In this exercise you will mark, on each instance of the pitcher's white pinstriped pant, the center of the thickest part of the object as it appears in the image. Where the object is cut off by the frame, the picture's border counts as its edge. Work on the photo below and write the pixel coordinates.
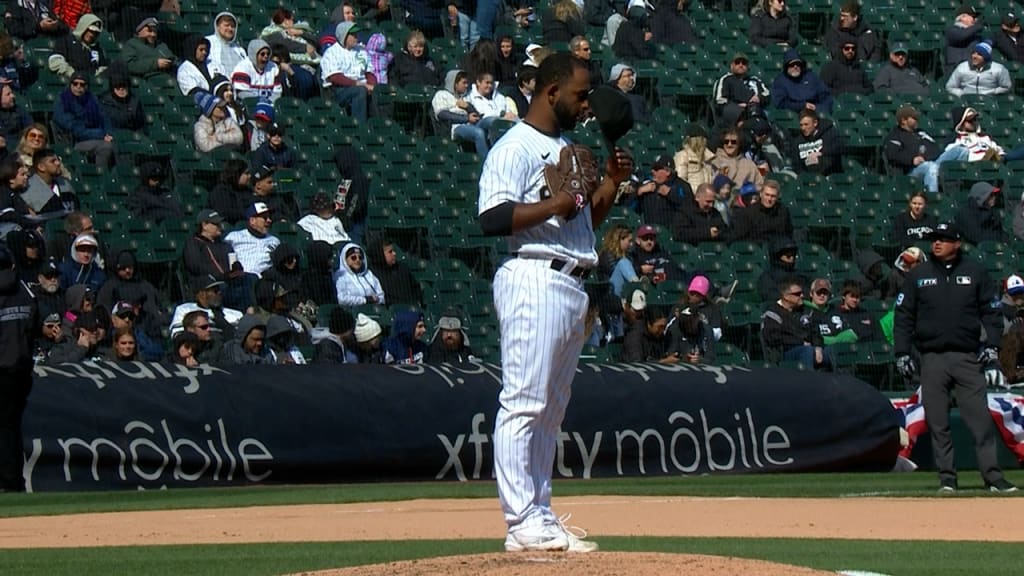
(541, 312)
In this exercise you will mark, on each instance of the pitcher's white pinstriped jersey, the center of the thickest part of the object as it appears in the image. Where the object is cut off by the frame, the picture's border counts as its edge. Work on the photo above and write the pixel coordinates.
(516, 163)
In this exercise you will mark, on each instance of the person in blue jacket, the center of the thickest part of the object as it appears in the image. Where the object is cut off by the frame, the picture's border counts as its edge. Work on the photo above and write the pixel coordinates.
(79, 114)
(405, 344)
(798, 87)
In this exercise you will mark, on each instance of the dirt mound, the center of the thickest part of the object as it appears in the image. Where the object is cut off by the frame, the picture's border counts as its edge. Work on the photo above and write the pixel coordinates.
(560, 564)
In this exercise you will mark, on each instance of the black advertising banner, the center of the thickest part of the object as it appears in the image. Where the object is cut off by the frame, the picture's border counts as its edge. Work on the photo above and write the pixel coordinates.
(99, 425)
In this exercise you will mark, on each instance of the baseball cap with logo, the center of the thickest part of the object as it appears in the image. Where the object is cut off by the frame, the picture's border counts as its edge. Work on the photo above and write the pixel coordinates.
(1010, 20)
(945, 231)
(646, 230)
(123, 310)
(256, 209)
(1015, 285)
(211, 216)
(49, 269)
(205, 282)
(664, 162)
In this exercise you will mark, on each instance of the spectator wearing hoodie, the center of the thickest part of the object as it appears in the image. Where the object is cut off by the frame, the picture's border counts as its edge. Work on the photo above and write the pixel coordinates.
(225, 49)
(229, 196)
(1007, 40)
(355, 284)
(79, 51)
(196, 71)
(451, 108)
(120, 105)
(152, 200)
(971, 144)
(405, 345)
(979, 219)
(348, 72)
(145, 55)
(772, 24)
(255, 79)
(849, 28)
(449, 343)
(844, 74)
(285, 270)
(78, 113)
(623, 78)
(798, 87)
(214, 128)
(125, 284)
(336, 343)
(248, 345)
(693, 160)
(764, 220)
(396, 279)
(961, 36)
(379, 56)
(368, 336)
(783, 254)
(280, 338)
(979, 75)
(413, 66)
(80, 267)
(818, 148)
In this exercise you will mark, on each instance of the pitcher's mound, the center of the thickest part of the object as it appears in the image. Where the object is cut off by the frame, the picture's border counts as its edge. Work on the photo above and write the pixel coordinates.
(561, 564)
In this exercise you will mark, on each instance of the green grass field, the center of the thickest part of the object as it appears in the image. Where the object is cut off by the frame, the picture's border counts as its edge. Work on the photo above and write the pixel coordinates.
(894, 558)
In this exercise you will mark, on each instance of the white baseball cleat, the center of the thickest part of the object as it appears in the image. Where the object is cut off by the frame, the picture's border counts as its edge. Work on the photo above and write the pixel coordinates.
(576, 536)
(545, 538)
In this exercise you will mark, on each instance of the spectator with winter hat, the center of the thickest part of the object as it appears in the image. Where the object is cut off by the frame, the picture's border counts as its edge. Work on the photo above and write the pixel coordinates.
(979, 75)
(214, 128)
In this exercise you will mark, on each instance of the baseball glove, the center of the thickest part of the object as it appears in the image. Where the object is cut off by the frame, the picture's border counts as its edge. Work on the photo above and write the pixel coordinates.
(575, 174)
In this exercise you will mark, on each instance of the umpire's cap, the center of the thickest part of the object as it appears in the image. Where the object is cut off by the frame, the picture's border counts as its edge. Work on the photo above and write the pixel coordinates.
(945, 231)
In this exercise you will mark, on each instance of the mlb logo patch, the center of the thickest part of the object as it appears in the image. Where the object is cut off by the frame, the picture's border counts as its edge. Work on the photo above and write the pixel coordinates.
(963, 280)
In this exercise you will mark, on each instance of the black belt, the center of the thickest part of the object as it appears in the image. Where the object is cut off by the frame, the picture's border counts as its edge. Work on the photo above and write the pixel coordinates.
(557, 265)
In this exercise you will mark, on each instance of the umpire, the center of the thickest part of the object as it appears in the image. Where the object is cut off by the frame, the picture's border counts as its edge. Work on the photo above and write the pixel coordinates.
(17, 324)
(944, 304)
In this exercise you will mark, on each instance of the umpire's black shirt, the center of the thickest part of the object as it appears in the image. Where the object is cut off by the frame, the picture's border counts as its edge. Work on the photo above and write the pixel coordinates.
(943, 307)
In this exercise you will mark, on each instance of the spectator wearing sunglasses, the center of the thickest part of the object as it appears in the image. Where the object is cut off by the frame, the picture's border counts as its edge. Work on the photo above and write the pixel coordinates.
(354, 283)
(787, 334)
(844, 73)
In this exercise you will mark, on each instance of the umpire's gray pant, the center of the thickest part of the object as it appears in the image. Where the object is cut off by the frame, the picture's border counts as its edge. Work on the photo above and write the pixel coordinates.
(941, 373)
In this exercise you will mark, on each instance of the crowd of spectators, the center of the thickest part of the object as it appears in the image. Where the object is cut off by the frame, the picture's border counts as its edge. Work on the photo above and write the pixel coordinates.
(251, 297)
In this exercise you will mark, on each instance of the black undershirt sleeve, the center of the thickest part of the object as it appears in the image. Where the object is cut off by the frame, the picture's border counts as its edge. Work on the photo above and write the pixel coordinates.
(497, 221)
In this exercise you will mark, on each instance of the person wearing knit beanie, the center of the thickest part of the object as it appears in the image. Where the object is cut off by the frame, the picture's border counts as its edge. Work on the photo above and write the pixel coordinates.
(366, 329)
(214, 128)
(979, 75)
(368, 340)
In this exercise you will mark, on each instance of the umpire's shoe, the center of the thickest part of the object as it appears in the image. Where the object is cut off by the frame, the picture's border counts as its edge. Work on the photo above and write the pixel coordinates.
(1002, 486)
(947, 485)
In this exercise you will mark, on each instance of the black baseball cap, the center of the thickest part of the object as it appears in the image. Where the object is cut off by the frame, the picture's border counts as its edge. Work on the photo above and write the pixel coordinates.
(945, 231)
